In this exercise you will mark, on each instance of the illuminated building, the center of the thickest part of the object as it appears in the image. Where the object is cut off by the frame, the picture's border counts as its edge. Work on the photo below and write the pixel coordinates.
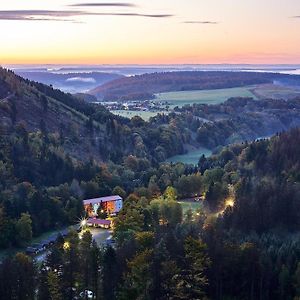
(110, 205)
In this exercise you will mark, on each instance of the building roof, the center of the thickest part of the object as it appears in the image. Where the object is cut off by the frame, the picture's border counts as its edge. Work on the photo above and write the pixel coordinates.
(98, 222)
(102, 199)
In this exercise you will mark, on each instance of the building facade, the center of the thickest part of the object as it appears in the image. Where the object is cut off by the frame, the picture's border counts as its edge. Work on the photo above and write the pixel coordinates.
(110, 205)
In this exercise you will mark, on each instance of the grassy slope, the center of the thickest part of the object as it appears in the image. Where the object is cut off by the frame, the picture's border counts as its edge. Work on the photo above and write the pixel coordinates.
(216, 96)
(192, 157)
(190, 97)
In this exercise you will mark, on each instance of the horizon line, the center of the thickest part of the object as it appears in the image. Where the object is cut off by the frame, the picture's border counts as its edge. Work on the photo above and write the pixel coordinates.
(148, 64)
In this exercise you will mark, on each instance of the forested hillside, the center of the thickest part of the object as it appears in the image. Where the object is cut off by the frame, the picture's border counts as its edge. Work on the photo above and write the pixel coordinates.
(240, 119)
(245, 229)
(246, 232)
(269, 190)
(143, 87)
(84, 130)
(90, 131)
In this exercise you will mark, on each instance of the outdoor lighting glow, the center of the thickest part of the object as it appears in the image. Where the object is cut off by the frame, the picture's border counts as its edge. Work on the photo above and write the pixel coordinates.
(66, 246)
(229, 203)
(82, 222)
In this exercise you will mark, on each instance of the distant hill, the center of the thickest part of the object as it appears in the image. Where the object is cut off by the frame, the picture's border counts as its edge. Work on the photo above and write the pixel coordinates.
(71, 82)
(81, 129)
(142, 87)
(40, 107)
(86, 97)
(85, 130)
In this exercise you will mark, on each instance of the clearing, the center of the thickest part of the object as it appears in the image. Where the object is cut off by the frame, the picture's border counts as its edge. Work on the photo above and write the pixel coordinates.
(191, 157)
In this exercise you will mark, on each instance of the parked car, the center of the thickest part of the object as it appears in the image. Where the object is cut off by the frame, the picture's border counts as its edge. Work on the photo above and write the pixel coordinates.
(86, 294)
(31, 251)
(110, 241)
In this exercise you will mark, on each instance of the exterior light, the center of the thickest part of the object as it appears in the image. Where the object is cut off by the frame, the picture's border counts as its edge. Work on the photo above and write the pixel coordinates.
(229, 202)
(66, 246)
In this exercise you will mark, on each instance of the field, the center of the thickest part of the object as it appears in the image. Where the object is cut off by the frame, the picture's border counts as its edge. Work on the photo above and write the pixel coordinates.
(190, 205)
(189, 97)
(276, 91)
(192, 157)
(204, 96)
(145, 115)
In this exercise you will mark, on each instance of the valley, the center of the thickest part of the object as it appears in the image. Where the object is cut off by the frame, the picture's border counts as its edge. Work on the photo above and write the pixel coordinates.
(58, 149)
(150, 150)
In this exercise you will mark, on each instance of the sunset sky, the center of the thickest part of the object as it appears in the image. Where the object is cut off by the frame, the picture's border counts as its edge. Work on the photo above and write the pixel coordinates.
(149, 32)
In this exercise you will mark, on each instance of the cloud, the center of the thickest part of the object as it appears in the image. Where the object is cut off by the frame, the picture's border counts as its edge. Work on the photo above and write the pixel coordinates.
(37, 15)
(296, 17)
(115, 4)
(136, 15)
(81, 79)
(54, 15)
(201, 22)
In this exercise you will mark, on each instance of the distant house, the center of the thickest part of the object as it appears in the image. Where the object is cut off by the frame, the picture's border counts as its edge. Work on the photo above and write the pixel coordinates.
(110, 205)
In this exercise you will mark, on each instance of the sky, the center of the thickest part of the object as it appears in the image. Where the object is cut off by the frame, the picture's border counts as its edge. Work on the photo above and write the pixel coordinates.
(149, 32)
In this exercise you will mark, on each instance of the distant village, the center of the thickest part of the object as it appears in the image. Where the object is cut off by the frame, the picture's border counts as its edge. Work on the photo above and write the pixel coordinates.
(136, 105)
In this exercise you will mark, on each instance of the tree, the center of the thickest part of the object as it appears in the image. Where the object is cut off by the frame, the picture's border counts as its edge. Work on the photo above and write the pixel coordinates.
(167, 211)
(44, 102)
(95, 269)
(202, 164)
(70, 264)
(215, 194)
(54, 286)
(284, 282)
(170, 193)
(297, 280)
(138, 280)
(102, 214)
(24, 277)
(24, 229)
(145, 240)
(153, 187)
(109, 273)
(7, 230)
(129, 220)
(85, 257)
(191, 281)
(119, 191)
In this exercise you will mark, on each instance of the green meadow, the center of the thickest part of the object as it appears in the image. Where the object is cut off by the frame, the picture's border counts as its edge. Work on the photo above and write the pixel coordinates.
(192, 157)
(204, 96)
(186, 205)
(189, 97)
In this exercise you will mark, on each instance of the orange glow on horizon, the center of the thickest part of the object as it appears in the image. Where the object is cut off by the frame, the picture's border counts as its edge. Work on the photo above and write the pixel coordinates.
(197, 32)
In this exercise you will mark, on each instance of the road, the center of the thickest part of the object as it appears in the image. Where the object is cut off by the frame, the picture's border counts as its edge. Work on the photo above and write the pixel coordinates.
(99, 235)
